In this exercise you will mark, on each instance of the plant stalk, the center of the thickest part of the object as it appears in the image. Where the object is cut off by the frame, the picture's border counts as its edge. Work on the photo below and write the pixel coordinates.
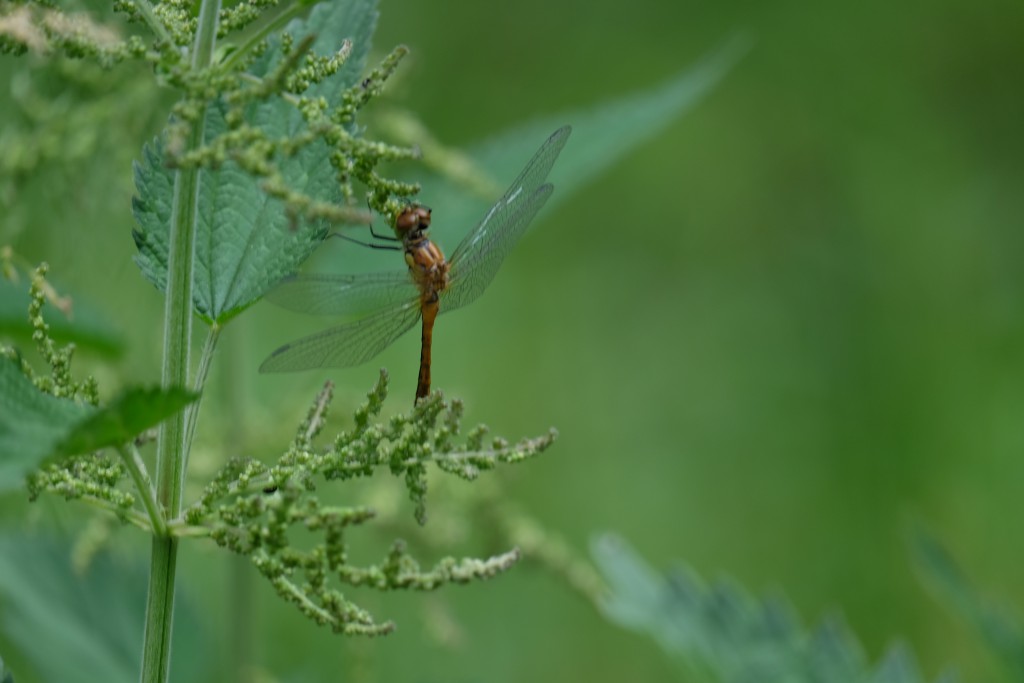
(172, 442)
(137, 470)
(275, 24)
(192, 412)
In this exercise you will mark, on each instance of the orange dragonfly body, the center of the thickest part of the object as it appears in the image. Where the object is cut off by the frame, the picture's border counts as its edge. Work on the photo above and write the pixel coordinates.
(430, 285)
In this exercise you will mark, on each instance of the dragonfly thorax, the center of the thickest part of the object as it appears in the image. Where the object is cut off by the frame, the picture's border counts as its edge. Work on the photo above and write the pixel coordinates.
(428, 267)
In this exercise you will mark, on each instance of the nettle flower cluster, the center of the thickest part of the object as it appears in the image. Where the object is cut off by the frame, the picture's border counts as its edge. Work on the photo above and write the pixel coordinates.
(252, 65)
(251, 507)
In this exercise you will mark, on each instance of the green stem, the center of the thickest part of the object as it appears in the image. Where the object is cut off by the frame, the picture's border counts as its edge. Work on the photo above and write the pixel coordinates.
(137, 470)
(155, 25)
(204, 369)
(171, 453)
(156, 646)
(131, 516)
(272, 26)
(181, 529)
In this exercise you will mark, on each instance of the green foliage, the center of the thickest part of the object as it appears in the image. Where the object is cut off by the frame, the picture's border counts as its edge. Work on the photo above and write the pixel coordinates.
(131, 413)
(276, 171)
(602, 135)
(5, 675)
(57, 417)
(729, 636)
(69, 129)
(82, 324)
(82, 623)
(38, 412)
(251, 508)
(999, 627)
(32, 423)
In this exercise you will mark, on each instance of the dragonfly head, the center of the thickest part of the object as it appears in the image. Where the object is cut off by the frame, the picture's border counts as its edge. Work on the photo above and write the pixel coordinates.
(412, 221)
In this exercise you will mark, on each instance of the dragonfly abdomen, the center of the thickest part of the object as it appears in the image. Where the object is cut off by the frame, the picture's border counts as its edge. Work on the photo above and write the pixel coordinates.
(429, 311)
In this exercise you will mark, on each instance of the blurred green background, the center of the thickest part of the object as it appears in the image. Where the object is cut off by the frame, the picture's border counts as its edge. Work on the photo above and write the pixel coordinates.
(770, 338)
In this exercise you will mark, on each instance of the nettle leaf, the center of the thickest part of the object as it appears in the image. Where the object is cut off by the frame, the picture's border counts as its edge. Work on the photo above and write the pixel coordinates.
(999, 626)
(32, 423)
(245, 242)
(35, 426)
(726, 634)
(84, 624)
(131, 413)
(5, 675)
(602, 135)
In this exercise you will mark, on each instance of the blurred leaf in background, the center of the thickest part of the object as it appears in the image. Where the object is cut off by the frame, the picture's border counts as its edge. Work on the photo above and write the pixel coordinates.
(69, 126)
(603, 133)
(723, 634)
(5, 675)
(35, 425)
(997, 623)
(84, 324)
(32, 423)
(84, 624)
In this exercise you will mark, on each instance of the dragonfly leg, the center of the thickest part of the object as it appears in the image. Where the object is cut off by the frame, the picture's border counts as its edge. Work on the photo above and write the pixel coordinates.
(371, 245)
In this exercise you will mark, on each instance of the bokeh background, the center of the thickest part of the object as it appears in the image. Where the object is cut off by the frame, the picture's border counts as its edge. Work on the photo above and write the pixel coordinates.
(772, 337)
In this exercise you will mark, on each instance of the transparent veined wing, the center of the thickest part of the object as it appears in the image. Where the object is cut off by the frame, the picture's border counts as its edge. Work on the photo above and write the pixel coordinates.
(346, 345)
(336, 294)
(524, 186)
(477, 258)
(471, 275)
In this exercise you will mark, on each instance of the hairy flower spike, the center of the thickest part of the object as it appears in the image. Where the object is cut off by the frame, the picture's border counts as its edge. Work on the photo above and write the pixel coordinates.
(317, 69)
(94, 478)
(358, 95)
(314, 421)
(372, 407)
(176, 17)
(59, 383)
(46, 30)
(241, 15)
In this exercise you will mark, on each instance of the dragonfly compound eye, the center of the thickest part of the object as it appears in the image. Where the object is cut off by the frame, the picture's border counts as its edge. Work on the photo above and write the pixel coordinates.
(413, 218)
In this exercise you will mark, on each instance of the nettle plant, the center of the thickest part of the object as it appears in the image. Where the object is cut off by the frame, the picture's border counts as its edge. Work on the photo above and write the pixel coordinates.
(262, 158)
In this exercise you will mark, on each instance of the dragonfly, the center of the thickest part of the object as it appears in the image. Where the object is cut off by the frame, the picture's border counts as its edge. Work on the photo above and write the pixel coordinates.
(391, 303)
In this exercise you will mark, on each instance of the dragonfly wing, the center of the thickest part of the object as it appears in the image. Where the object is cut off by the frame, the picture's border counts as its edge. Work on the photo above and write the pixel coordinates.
(350, 344)
(524, 187)
(336, 294)
(471, 275)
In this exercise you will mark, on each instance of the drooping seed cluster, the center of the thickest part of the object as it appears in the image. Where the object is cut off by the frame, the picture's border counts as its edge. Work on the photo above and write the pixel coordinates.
(256, 509)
